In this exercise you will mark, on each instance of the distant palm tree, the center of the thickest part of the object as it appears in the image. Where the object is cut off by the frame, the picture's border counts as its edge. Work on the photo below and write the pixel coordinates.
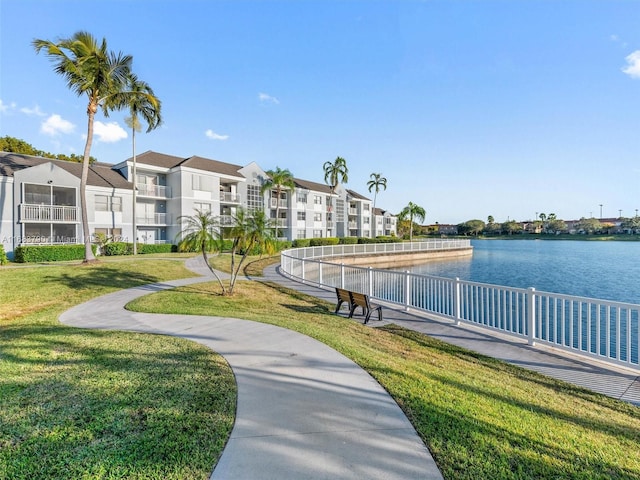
(411, 212)
(200, 233)
(335, 172)
(377, 181)
(103, 76)
(278, 180)
(142, 102)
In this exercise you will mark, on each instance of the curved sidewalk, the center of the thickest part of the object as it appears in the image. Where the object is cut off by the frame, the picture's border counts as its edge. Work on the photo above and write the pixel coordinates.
(619, 383)
(304, 410)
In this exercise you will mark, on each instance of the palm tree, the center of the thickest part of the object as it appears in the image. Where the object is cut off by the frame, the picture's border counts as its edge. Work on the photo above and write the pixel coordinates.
(103, 76)
(377, 181)
(249, 231)
(335, 172)
(412, 211)
(142, 102)
(200, 233)
(278, 180)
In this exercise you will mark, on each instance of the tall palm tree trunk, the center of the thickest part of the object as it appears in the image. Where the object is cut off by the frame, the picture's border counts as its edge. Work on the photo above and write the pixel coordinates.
(88, 253)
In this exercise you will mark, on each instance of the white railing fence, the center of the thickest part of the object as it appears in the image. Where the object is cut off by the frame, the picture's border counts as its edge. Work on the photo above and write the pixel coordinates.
(601, 329)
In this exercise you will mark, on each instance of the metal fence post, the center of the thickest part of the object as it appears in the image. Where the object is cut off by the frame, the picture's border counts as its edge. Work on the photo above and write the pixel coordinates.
(407, 290)
(302, 270)
(531, 315)
(320, 264)
(456, 301)
(342, 275)
(370, 281)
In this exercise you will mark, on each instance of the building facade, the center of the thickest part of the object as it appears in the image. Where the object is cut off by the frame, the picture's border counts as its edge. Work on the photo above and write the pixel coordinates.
(40, 200)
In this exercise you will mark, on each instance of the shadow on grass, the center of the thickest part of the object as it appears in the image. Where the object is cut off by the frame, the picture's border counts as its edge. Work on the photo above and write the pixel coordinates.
(104, 276)
(82, 403)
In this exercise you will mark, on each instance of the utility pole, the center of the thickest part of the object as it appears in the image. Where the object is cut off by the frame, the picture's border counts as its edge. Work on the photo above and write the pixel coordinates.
(600, 211)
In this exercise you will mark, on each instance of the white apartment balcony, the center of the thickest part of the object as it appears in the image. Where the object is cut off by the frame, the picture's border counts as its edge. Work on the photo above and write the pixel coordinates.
(280, 222)
(275, 204)
(49, 213)
(156, 191)
(226, 220)
(228, 197)
(353, 211)
(353, 224)
(153, 219)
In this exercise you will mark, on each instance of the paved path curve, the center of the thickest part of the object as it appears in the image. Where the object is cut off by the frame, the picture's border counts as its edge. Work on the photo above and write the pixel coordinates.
(304, 410)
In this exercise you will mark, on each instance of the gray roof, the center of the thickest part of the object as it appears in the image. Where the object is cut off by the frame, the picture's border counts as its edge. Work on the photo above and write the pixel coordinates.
(356, 195)
(318, 187)
(200, 163)
(100, 174)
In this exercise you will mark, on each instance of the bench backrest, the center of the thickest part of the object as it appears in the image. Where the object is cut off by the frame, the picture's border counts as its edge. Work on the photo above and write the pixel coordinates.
(343, 294)
(360, 299)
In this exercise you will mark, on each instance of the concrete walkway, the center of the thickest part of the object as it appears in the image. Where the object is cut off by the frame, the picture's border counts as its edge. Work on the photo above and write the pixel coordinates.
(304, 410)
(615, 382)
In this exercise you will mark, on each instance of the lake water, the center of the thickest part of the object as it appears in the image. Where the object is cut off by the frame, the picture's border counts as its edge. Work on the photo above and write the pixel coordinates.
(598, 269)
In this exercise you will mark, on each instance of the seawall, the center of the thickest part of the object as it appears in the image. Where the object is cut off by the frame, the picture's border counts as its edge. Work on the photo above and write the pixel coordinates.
(400, 259)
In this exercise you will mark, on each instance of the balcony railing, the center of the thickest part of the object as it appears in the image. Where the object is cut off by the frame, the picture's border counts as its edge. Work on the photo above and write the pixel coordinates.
(48, 213)
(146, 190)
(228, 197)
(153, 219)
(275, 204)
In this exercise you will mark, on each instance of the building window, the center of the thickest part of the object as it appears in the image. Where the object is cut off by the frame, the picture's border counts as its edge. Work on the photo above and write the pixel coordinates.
(366, 207)
(302, 198)
(302, 215)
(366, 220)
(202, 183)
(317, 234)
(301, 234)
(202, 207)
(105, 203)
(49, 195)
(255, 200)
(317, 200)
(317, 217)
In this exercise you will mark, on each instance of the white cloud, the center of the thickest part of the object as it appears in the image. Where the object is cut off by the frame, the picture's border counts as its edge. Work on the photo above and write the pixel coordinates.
(215, 136)
(109, 132)
(633, 64)
(4, 107)
(266, 98)
(55, 125)
(33, 111)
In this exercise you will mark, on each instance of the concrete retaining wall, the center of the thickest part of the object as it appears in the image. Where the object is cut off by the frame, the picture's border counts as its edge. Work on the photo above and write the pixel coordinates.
(400, 259)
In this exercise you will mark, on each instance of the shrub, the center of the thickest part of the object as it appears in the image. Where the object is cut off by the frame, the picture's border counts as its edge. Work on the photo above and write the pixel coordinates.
(3, 256)
(319, 242)
(118, 248)
(50, 253)
(123, 248)
(379, 240)
(301, 242)
(348, 240)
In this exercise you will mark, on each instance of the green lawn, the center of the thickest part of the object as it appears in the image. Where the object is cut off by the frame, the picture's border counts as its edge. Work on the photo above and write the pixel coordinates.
(88, 404)
(481, 418)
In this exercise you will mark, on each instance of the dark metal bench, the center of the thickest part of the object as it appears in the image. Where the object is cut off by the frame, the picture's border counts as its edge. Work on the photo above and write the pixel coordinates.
(362, 300)
(355, 300)
(343, 297)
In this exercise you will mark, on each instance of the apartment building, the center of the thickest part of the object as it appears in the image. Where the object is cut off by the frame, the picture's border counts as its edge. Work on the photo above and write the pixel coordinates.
(40, 202)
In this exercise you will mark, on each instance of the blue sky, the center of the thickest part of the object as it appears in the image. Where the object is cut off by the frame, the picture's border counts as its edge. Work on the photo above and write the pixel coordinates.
(468, 108)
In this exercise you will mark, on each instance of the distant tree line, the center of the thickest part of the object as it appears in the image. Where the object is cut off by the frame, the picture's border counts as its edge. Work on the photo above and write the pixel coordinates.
(16, 145)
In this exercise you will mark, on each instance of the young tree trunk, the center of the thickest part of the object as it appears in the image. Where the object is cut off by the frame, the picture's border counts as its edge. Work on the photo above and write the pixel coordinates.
(88, 253)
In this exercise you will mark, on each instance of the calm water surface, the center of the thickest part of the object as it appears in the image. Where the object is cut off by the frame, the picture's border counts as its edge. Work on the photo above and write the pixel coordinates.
(605, 270)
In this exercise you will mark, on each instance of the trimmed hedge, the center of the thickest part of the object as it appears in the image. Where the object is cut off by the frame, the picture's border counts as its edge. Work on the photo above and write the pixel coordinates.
(379, 240)
(301, 242)
(319, 242)
(50, 253)
(348, 240)
(3, 256)
(123, 248)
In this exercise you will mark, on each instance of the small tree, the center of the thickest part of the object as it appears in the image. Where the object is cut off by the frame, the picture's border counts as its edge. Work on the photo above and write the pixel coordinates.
(335, 172)
(249, 232)
(200, 233)
(410, 212)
